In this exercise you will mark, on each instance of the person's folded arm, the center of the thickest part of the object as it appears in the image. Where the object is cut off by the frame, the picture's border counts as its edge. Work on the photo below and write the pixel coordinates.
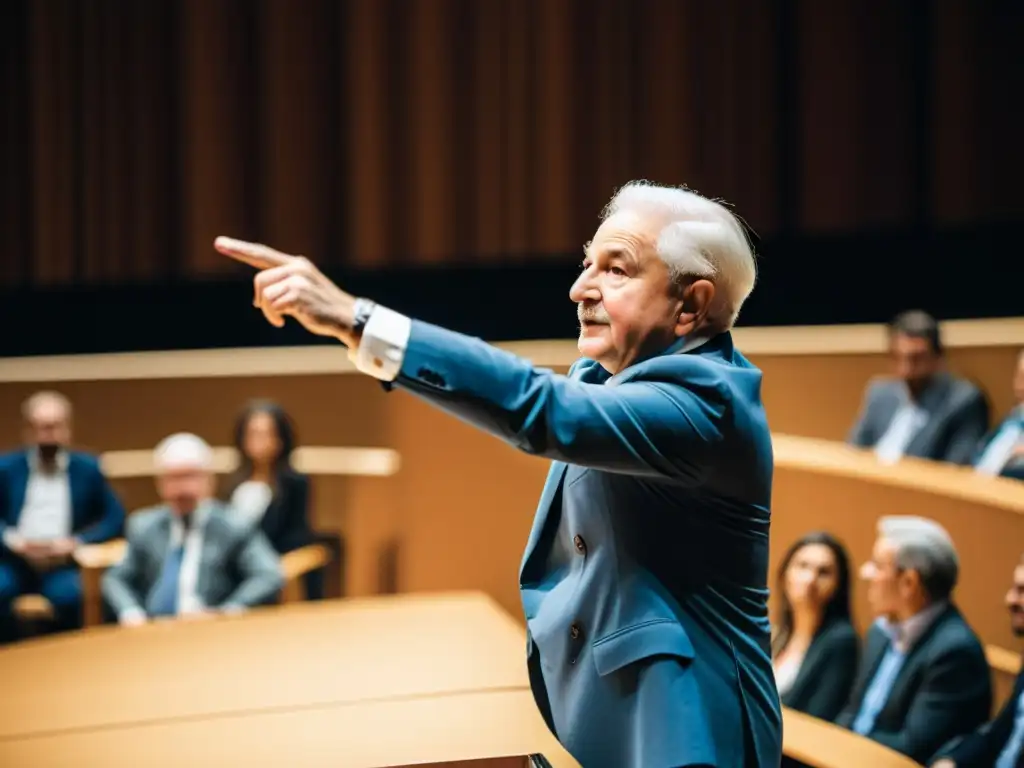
(661, 426)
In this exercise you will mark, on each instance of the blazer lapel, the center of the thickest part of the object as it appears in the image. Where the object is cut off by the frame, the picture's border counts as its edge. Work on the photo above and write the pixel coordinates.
(19, 486)
(555, 476)
(77, 489)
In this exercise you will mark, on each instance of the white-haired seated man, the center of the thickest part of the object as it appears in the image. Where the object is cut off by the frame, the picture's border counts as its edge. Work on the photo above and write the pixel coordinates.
(923, 678)
(188, 556)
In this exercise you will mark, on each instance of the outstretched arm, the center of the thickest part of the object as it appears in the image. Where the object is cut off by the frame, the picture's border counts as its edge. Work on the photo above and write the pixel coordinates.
(663, 426)
(653, 427)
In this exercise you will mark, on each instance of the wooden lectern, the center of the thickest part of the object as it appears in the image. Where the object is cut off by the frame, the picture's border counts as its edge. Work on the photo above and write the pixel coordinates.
(432, 680)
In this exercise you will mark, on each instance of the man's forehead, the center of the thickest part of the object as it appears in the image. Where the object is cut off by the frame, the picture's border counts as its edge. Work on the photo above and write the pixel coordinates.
(623, 225)
(1018, 575)
(884, 549)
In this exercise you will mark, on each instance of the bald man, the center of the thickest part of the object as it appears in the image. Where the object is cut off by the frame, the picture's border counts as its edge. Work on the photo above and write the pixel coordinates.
(189, 556)
(52, 500)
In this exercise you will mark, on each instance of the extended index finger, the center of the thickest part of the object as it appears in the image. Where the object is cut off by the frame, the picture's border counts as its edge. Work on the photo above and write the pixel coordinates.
(253, 254)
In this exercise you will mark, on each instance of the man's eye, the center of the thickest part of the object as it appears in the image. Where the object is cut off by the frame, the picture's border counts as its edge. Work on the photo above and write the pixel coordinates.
(617, 271)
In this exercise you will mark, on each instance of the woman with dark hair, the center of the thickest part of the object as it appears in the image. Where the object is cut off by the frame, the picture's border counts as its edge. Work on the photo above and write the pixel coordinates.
(814, 643)
(265, 489)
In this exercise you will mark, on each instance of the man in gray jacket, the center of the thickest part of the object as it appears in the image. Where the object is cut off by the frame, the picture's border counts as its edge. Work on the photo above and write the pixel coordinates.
(924, 411)
(189, 556)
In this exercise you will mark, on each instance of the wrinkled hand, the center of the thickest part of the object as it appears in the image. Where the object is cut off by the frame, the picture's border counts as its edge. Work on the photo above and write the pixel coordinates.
(944, 763)
(292, 285)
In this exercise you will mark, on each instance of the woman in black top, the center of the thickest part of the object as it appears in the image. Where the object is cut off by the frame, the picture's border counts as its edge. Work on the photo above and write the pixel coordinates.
(266, 490)
(814, 644)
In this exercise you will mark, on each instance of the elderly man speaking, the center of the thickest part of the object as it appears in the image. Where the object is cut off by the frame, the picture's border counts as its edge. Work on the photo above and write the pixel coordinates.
(644, 581)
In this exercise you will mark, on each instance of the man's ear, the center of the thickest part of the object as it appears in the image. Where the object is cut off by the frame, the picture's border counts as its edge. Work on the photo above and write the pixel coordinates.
(695, 305)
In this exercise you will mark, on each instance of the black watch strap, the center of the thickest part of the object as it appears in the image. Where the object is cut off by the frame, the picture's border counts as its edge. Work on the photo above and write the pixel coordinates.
(363, 309)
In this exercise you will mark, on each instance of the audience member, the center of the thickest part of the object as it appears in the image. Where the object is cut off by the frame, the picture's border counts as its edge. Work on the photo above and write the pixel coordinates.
(923, 677)
(189, 556)
(266, 492)
(925, 411)
(52, 499)
(1002, 450)
(815, 645)
(999, 744)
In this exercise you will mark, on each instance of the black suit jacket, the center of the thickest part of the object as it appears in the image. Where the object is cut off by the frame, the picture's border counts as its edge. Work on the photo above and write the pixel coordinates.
(825, 680)
(286, 521)
(942, 691)
(981, 748)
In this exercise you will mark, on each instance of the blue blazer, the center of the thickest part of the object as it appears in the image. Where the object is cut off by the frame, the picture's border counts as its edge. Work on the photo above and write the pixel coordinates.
(96, 512)
(644, 581)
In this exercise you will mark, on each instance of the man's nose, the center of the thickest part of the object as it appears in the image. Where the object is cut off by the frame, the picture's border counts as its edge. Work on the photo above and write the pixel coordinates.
(584, 289)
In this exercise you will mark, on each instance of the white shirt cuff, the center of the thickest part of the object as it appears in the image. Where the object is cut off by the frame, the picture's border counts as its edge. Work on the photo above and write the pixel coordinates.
(382, 347)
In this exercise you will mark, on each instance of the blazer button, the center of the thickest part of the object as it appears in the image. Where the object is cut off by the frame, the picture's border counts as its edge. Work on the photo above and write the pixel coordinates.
(580, 544)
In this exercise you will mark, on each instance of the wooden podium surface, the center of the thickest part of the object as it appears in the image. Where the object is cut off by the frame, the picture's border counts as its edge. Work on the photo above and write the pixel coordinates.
(364, 683)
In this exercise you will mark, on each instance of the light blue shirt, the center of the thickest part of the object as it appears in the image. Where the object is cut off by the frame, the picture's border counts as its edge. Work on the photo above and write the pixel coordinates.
(908, 420)
(1008, 757)
(999, 450)
(902, 637)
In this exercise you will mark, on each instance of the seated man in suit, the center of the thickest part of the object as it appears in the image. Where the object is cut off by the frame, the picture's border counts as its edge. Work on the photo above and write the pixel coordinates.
(923, 678)
(924, 411)
(189, 556)
(999, 744)
(52, 499)
(1002, 450)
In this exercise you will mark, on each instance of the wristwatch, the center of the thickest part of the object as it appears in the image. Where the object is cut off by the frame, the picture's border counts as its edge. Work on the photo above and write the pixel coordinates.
(363, 309)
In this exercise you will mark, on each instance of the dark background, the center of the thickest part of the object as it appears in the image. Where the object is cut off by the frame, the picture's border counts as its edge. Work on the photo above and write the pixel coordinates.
(450, 157)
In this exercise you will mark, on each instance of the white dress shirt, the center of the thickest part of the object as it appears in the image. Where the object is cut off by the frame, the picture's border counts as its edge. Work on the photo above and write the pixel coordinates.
(250, 501)
(46, 512)
(908, 420)
(787, 672)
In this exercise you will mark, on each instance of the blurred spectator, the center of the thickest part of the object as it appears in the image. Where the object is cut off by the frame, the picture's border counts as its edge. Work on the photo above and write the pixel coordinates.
(923, 678)
(924, 411)
(815, 646)
(1000, 743)
(265, 491)
(1002, 450)
(189, 556)
(52, 499)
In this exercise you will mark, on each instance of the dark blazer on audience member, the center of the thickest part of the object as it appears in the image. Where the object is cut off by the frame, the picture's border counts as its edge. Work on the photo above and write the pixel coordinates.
(981, 748)
(96, 511)
(957, 410)
(825, 680)
(286, 521)
(942, 691)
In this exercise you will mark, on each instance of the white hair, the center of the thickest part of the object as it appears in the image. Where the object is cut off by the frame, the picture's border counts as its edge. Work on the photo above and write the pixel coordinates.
(924, 546)
(183, 450)
(700, 238)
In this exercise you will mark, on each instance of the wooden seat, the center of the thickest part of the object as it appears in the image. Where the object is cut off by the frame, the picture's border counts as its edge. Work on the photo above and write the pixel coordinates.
(33, 608)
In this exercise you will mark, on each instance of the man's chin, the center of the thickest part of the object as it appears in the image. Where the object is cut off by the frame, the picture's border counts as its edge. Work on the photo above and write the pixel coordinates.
(593, 348)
